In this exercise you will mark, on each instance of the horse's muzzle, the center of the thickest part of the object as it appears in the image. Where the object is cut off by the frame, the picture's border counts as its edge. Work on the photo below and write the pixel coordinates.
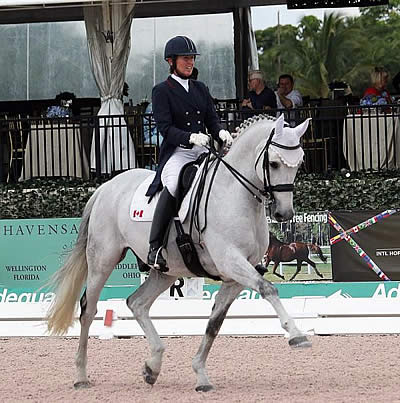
(281, 215)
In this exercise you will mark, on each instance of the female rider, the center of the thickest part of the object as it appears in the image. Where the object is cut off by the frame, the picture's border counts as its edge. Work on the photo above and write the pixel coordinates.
(183, 109)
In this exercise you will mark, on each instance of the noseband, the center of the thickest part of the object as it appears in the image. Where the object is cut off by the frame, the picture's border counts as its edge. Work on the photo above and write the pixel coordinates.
(268, 188)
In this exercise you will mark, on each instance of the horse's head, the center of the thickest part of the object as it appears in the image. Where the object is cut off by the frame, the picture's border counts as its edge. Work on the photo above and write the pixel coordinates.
(277, 160)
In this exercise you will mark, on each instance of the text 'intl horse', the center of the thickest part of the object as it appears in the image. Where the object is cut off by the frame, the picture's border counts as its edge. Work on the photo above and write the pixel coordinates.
(260, 166)
(279, 251)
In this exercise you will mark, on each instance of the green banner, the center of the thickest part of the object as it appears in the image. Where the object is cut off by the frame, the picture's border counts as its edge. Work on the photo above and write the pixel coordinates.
(32, 250)
(387, 289)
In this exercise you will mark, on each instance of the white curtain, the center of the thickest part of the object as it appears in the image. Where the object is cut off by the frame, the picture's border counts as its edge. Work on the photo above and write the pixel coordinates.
(108, 34)
(253, 54)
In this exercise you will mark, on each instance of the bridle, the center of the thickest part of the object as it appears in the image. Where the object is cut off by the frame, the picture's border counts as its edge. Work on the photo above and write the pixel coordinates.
(268, 188)
(266, 192)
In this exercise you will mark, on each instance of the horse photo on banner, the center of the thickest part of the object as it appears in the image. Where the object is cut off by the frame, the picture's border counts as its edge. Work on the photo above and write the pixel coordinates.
(365, 245)
(299, 249)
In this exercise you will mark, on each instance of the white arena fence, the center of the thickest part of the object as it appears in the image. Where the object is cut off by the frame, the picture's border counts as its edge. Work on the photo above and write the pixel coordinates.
(189, 316)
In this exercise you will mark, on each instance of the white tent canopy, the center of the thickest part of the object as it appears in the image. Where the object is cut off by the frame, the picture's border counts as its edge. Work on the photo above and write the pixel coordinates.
(108, 57)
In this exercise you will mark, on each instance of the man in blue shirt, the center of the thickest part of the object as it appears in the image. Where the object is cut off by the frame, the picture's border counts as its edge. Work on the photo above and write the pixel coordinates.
(260, 96)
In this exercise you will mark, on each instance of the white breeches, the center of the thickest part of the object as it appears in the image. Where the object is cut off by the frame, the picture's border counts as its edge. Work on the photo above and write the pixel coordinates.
(181, 156)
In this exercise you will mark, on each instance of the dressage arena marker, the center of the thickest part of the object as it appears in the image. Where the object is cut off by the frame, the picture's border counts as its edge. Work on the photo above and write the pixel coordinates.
(365, 224)
(108, 317)
(371, 264)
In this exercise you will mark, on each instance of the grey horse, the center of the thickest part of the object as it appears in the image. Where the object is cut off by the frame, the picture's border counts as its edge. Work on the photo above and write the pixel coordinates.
(267, 154)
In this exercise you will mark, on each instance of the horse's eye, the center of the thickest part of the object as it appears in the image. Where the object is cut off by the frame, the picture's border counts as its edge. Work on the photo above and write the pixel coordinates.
(274, 165)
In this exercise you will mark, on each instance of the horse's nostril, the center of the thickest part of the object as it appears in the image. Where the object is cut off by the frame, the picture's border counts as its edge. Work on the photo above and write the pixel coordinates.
(278, 216)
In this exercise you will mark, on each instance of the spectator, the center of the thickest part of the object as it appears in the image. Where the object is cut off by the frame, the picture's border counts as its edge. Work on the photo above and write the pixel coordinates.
(125, 92)
(288, 98)
(377, 94)
(260, 96)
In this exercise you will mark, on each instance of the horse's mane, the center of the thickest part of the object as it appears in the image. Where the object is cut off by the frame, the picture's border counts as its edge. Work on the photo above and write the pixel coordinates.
(250, 122)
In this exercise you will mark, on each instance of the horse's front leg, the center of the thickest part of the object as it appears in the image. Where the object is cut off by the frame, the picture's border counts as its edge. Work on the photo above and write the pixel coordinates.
(226, 295)
(139, 303)
(236, 266)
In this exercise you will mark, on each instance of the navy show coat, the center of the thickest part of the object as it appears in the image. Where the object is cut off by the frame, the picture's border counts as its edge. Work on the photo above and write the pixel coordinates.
(178, 114)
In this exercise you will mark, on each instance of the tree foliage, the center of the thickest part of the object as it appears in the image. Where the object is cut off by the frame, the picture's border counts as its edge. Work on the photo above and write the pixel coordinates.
(341, 48)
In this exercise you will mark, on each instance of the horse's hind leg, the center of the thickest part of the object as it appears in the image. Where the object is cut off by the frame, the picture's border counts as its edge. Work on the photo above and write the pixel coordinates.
(139, 303)
(276, 264)
(226, 295)
(100, 265)
(314, 266)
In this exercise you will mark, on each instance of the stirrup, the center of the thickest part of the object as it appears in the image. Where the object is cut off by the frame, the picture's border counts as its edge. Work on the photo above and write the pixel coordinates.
(157, 260)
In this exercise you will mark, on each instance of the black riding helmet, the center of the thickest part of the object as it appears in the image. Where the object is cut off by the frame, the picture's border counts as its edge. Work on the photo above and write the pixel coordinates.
(180, 46)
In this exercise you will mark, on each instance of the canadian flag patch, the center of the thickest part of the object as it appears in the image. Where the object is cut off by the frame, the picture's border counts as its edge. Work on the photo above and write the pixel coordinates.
(137, 213)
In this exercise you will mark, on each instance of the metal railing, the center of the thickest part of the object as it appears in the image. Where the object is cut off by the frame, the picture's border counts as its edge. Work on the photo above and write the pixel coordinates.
(350, 137)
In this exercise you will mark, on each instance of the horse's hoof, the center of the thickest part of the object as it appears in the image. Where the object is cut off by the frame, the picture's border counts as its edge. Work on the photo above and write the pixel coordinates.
(300, 342)
(261, 269)
(148, 375)
(82, 385)
(204, 388)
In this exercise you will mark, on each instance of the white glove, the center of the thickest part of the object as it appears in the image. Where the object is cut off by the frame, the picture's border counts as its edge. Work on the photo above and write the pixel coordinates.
(199, 139)
(225, 136)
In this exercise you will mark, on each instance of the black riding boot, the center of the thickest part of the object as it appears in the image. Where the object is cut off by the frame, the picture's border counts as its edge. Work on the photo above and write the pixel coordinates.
(163, 214)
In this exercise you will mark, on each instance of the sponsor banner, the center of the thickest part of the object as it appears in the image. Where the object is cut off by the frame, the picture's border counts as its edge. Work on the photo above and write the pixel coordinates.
(365, 245)
(389, 289)
(33, 250)
(185, 288)
(306, 235)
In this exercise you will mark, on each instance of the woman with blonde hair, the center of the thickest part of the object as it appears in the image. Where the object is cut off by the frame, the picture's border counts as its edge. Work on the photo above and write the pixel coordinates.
(379, 80)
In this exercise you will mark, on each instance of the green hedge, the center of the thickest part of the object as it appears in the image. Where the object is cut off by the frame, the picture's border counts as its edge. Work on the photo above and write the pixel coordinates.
(347, 191)
(359, 191)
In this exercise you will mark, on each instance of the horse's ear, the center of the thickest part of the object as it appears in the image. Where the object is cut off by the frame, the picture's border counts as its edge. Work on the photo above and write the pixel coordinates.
(279, 123)
(302, 128)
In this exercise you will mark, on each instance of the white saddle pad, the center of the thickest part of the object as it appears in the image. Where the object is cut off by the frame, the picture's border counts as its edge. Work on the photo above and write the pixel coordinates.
(142, 210)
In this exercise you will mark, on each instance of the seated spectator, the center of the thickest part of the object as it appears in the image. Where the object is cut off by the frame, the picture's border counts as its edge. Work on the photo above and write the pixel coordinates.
(377, 94)
(149, 127)
(62, 107)
(288, 98)
(260, 96)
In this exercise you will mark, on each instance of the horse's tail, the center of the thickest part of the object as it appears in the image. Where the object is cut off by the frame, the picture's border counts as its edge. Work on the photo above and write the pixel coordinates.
(69, 279)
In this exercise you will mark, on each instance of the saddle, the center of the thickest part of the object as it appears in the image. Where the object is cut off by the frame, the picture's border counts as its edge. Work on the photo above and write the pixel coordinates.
(186, 178)
(142, 210)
